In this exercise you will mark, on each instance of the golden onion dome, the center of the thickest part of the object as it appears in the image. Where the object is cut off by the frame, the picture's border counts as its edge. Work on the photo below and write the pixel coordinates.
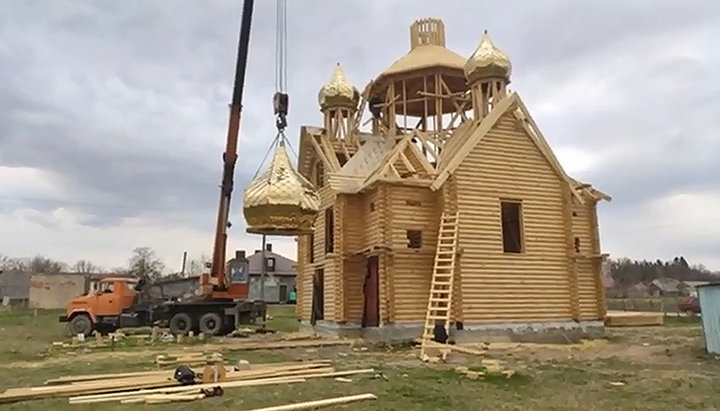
(338, 91)
(487, 61)
(280, 201)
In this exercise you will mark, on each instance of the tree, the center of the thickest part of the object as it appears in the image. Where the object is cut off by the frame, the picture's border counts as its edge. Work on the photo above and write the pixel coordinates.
(85, 267)
(196, 266)
(44, 265)
(146, 264)
(11, 263)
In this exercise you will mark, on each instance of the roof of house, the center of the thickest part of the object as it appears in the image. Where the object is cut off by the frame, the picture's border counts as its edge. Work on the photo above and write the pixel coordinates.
(666, 284)
(695, 284)
(283, 265)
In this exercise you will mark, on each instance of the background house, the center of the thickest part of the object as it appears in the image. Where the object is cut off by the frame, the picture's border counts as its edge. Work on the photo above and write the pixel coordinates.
(280, 277)
(53, 291)
(664, 287)
(14, 288)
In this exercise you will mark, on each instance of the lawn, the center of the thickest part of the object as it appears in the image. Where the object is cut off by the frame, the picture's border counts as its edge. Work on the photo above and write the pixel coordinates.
(634, 368)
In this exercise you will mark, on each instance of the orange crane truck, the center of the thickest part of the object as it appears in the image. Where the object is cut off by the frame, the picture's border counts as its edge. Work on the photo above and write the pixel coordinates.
(222, 302)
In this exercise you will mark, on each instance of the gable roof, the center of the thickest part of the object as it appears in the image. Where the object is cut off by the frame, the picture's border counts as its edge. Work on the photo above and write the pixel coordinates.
(666, 284)
(283, 265)
(456, 154)
(368, 156)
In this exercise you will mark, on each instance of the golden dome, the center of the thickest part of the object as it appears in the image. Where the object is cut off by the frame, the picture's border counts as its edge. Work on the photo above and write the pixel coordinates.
(487, 61)
(280, 201)
(338, 91)
(427, 50)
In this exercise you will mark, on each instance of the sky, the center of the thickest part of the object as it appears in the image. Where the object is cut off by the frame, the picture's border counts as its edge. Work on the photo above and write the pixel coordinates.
(113, 114)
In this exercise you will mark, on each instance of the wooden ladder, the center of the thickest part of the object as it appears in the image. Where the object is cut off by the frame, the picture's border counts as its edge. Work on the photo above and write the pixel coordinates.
(440, 298)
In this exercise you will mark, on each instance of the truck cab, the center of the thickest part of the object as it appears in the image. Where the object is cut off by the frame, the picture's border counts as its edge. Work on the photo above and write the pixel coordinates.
(101, 306)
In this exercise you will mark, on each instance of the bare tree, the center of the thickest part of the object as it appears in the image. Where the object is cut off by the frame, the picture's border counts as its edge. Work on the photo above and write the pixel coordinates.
(196, 266)
(40, 264)
(146, 264)
(11, 263)
(85, 267)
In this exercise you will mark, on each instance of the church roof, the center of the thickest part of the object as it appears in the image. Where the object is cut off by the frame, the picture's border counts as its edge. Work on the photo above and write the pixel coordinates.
(425, 56)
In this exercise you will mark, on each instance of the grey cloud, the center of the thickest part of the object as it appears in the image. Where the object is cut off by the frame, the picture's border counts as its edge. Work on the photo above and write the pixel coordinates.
(128, 100)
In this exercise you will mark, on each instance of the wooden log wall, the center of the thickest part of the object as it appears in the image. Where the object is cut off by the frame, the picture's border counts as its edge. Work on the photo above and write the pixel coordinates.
(372, 210)
(449, 204)
(413, 208)
(589, 261)
(301, 284)
(354, 223)
(354, 279)
(327, 262)
(498, 286)
(597, 261)
(387, 309)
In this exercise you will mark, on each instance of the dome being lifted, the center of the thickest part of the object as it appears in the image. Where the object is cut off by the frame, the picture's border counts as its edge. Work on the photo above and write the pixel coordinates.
(280, 201)
(338, 91)
(487, 61)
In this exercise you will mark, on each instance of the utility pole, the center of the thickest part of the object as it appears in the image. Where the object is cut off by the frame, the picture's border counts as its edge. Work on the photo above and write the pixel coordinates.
(182, 270)
(263, 270)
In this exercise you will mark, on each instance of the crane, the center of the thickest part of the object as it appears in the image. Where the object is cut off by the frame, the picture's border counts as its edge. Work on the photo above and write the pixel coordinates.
(222, 304)
(215, 285)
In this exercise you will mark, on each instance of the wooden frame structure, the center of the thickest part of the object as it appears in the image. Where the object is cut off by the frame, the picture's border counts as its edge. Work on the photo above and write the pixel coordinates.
(447, 138)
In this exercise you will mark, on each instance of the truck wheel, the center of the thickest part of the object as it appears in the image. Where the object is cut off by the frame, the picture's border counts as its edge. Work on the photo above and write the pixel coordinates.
(211, 323)
(180, 324)
(80, 324)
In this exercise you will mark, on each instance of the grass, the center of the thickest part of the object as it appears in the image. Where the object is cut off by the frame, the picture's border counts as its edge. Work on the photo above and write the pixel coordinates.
(658, 368)
(282, 318)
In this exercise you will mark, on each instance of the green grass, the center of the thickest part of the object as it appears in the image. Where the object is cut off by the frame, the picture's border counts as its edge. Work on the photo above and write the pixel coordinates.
(283, 318)
(682, 321)
(660, 367)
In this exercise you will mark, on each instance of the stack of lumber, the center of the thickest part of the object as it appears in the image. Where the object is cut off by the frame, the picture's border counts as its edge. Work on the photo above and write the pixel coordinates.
(160, 386)
(633, 318)
(189, 358)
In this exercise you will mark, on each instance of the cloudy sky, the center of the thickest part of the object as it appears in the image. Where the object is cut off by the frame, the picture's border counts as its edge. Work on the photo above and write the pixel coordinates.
(113, 114)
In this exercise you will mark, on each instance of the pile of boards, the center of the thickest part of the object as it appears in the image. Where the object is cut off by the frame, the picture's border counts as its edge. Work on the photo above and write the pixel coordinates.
(160, 386)
(191, 359)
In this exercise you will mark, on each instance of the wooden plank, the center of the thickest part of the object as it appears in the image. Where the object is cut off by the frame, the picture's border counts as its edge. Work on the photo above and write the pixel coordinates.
(231, 384)
(119, 396)
(319, 403)
(286, 344)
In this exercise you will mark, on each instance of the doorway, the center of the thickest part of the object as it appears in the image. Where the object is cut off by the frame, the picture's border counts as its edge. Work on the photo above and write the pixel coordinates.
(371, 308)
(318, 297)
(282, 298)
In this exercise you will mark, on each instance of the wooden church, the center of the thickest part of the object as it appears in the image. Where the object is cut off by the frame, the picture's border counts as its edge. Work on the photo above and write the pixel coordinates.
(448, 207)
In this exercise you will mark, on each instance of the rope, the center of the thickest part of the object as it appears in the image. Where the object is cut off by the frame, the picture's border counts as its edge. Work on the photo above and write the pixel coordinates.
(272, 145)
(291, 147)
(281, 45)
(280, 76)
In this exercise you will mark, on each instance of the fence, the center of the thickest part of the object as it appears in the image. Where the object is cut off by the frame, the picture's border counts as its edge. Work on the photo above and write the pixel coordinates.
(666, 305)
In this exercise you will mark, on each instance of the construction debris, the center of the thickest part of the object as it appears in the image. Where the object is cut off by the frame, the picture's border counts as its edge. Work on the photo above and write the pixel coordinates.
(473, 375)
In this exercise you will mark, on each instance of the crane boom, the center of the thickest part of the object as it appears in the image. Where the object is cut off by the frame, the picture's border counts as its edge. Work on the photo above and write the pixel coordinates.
(217, 269)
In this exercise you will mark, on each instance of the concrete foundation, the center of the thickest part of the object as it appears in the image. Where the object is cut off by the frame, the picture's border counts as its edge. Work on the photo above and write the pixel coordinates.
(558, 332)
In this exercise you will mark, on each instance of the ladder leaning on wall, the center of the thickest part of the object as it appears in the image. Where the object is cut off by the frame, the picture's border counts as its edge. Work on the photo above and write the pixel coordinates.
(441, 286)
